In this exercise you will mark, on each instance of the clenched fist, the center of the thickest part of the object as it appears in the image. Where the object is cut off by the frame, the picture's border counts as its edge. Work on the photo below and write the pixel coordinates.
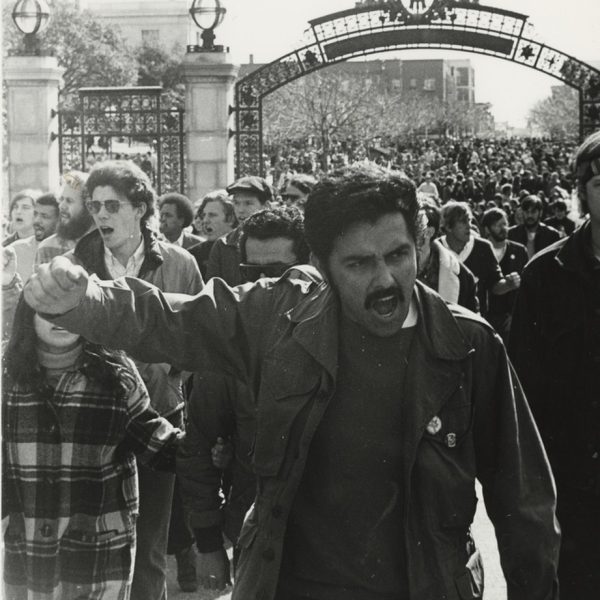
(513, 280)
(56, 287)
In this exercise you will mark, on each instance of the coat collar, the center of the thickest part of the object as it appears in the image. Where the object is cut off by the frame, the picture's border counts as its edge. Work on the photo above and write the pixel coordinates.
(576, 251)
(317, 320)
(232, 238)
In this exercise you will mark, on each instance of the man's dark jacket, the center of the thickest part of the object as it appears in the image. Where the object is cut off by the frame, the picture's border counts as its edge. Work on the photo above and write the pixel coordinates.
(555, 347)
(224, 258)
(544, 236)
(467, 419)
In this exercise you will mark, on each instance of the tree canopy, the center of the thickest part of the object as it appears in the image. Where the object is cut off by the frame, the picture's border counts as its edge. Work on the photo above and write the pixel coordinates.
(328, 104)
(159, 66)
(558, 115)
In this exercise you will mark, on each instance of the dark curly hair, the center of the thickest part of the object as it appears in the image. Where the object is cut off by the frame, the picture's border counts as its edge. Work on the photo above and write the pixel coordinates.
(285, 222)
(20, 365)
(362, 193)
(182, 205)
(126, 178)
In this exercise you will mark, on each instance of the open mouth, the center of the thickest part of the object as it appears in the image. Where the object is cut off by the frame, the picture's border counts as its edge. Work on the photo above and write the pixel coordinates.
(386, 306)
(106, 230)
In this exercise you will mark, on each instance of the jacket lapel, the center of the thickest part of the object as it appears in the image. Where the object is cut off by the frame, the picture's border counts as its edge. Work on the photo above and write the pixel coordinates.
(316, 330)
(434, 373)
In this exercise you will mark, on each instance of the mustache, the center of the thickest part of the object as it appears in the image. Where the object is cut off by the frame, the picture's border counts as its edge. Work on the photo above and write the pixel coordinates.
(384, 293)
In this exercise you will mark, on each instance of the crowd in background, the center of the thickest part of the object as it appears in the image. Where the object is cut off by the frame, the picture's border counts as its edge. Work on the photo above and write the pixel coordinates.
(488, 206)
(471, 169)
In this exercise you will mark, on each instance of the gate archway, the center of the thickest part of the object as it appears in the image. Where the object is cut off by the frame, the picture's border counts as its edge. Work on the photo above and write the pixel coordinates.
(388, 25)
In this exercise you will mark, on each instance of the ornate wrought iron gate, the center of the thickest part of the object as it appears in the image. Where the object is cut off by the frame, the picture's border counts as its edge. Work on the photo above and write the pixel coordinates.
(382, 25)
(136, 116)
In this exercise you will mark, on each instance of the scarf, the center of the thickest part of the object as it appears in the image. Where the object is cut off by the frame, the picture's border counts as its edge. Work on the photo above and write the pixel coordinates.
(57, 363)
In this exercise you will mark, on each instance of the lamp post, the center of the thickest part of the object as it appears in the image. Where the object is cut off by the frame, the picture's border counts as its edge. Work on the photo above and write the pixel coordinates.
(32, 81)
(31, 17)
(207, 15)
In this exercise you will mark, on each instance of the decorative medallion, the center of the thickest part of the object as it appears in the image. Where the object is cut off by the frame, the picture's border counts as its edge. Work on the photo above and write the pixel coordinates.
(418, 7)
(418, 11)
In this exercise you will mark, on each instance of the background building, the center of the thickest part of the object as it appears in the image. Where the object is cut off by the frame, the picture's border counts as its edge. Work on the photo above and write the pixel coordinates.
(165, 22)
(446, 80)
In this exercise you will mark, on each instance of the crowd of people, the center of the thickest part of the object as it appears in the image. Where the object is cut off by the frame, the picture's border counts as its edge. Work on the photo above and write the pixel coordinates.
(313, 368)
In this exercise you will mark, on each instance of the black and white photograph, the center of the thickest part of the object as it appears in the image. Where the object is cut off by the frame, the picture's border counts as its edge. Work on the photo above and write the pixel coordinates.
(300, 300)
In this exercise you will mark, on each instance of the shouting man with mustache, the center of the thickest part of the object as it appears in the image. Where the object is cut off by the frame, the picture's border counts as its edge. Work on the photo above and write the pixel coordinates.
(378, 405)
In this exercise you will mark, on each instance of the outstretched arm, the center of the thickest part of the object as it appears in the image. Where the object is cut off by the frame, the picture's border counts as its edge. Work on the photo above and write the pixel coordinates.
(212, 327)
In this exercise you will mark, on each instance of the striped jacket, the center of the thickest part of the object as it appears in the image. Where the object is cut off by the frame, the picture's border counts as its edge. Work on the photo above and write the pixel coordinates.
(70, 483)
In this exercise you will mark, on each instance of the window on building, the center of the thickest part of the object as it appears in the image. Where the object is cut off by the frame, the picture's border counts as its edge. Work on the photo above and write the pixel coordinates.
(462, 95)
(412, 84)
(149, 36)
(462, 76)
(396, 84)
(429, 85)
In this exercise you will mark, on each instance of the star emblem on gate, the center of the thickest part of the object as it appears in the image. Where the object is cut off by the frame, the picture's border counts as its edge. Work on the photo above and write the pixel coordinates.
(527, 52)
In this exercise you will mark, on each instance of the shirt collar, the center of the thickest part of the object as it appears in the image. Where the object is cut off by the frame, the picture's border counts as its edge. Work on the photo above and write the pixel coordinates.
(133, 266)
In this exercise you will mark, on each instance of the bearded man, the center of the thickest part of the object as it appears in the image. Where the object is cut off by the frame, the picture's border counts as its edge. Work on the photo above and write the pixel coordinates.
(512, 258)
(74, 220)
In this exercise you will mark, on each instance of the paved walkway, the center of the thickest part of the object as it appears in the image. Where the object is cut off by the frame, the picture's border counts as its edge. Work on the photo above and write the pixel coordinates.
(495, 586)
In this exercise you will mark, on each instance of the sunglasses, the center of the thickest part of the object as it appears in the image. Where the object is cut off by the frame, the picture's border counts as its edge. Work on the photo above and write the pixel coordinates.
(291, 198)
(253, 273)
(111, 206)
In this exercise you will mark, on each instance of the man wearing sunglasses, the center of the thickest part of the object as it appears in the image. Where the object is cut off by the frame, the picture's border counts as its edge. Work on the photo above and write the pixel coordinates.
(250, 194)
(378, 406)
(221, 406)
(272, 241)
(121, 201)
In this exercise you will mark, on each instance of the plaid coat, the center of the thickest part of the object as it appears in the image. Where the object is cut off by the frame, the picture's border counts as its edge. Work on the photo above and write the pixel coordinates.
(70, 484)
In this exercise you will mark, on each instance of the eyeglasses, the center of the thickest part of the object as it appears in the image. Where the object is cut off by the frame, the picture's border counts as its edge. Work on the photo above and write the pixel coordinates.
(252, 272)
(291, 197)
(111, 206)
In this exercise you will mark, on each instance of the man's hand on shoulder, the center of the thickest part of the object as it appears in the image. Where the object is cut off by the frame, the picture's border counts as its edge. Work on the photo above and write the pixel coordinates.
(56, 287)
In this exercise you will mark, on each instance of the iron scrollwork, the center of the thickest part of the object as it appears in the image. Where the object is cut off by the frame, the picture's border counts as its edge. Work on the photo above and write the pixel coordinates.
(137, 114)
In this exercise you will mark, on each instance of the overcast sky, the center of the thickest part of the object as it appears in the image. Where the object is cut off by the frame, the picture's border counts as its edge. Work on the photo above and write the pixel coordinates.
(269, 28)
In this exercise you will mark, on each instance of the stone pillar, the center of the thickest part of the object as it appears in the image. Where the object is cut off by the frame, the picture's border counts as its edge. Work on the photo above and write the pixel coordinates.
(209, 79)
(32, 84)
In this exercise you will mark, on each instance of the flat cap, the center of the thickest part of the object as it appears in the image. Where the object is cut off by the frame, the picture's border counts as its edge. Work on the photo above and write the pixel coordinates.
(253, 184)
